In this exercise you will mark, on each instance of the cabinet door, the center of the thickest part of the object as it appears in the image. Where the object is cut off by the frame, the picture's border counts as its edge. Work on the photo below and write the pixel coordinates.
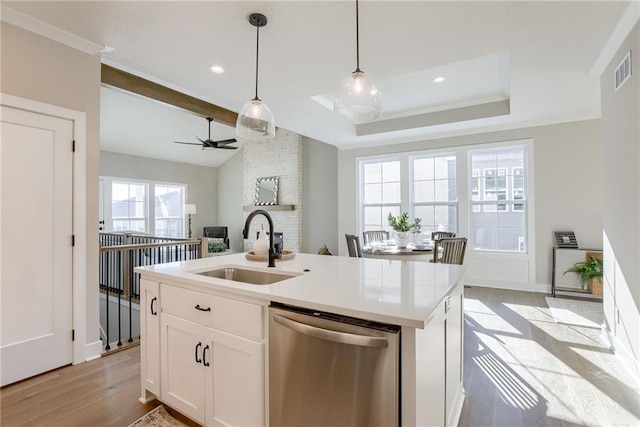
(454, 356)
(149, 339)
(430, 370)
(182, 368)
(234, 380)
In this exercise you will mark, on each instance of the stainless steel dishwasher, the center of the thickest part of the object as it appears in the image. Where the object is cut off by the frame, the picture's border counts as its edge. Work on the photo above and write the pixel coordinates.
(330, 370)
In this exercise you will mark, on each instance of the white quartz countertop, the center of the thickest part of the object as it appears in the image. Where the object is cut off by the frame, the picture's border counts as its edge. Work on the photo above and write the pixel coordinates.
(403, 293)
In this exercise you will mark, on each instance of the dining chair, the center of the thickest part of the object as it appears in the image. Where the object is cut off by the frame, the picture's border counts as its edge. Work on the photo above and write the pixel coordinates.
(437, 235)
(449, 251)
(353, 245)
(374, 236)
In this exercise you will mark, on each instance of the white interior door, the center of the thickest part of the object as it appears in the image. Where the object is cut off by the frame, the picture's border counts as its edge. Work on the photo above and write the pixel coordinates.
(35, 252)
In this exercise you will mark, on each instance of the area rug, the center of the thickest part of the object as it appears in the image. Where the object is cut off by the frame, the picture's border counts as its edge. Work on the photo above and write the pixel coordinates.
(576, 312)
(158, 417)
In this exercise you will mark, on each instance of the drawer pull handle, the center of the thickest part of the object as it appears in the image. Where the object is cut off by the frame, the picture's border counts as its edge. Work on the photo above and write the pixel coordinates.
(197, 307)
(204, 356)
(198, 345)
(153, 311)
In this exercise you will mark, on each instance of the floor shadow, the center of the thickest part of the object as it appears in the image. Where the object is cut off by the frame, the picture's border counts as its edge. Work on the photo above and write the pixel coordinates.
(513, 401)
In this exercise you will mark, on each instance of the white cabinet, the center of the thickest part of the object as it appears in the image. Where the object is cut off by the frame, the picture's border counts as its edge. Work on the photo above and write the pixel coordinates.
(234, 381)
(454, 352)
(149, 339)
(211, 357)
(432, 366)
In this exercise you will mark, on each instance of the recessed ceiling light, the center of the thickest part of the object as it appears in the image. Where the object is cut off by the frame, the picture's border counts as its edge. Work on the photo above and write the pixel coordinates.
(216, 69)
(439, 79)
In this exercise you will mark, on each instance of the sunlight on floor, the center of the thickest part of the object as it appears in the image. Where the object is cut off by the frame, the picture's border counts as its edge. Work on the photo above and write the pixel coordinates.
(527, 363)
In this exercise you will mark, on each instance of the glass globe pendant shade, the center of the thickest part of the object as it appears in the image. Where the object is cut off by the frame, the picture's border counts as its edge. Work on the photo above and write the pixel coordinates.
(255, 121)
(358, 98)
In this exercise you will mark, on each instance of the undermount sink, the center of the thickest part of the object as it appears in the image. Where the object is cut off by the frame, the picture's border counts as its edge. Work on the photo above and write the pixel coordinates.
(254, 277)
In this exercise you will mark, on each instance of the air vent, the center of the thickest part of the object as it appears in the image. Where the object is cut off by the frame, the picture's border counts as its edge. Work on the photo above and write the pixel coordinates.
(623, 72)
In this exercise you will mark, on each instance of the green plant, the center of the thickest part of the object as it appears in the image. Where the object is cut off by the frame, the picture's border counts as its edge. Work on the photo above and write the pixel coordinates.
(217, 247)
(587, 270)
(403, 223)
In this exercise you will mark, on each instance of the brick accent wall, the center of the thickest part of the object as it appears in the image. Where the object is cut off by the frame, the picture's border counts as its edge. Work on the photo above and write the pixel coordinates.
(281, 157)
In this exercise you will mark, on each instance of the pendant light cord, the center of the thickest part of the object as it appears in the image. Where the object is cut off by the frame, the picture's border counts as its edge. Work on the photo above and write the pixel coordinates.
(357, 41)
(257, 51)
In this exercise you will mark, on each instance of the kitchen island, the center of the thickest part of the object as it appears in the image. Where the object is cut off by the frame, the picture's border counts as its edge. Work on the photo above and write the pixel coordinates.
(205, 339)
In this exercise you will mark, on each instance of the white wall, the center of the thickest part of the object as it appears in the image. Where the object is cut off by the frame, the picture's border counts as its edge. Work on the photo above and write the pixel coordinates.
(567, 182)
(202, 182)
(621, 155)
(320, 196)
(38, 68)
(231, 198)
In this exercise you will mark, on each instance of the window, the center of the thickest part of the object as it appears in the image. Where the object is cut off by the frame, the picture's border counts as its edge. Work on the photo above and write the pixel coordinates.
(129, 206)
(380, 193)
(435, 195)
(428, 185)
(498, 223)
(144, 207)
(169, 205)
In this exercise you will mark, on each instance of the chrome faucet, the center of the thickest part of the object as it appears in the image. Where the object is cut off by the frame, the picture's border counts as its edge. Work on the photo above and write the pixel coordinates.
(245, 234)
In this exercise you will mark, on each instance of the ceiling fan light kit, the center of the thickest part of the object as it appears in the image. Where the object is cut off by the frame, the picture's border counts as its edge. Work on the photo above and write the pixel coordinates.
(357, 98)
(255, 119)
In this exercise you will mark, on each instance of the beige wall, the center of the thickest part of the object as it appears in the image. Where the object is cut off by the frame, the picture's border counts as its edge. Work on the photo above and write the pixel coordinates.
(621, 155)
(320, 196)
(38, 68)
(567, 182)
(231, 198)
(201, 181)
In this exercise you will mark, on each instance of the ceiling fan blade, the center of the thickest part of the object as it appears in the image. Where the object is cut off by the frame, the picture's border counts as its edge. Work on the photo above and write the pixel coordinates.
(201, 140)
(188, 143)
(226, 141)
(224, 147)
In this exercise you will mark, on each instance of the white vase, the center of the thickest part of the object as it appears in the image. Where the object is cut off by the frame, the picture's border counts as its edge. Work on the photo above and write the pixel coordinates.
(261, 246)
(402, 239)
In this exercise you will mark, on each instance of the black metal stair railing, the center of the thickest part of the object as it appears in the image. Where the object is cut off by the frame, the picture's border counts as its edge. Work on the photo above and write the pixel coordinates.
(120, 254)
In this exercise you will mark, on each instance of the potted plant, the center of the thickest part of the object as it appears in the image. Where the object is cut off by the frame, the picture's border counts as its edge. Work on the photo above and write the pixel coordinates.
(402, 225)
(590, 273)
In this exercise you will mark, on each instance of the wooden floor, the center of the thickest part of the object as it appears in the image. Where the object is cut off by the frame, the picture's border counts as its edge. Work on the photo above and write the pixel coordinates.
(103, 392)
(521, 369)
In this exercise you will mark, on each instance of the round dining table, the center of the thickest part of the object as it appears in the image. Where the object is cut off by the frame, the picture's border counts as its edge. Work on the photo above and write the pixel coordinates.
(410, 253)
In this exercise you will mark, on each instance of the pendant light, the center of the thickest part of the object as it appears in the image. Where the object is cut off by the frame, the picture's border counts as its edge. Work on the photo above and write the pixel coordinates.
(358, 98)
(255, 119)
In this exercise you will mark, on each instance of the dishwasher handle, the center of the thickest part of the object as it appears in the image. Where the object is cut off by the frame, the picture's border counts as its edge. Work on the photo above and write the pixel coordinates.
(329, 335)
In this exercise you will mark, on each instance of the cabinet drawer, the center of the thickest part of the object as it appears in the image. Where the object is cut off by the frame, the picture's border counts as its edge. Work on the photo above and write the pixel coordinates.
(226, 314)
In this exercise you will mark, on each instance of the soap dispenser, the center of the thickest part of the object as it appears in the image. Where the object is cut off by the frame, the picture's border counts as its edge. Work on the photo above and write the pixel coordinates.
(261, 246)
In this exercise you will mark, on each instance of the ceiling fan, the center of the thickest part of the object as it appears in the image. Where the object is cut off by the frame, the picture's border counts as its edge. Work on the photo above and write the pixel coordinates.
(209, 143)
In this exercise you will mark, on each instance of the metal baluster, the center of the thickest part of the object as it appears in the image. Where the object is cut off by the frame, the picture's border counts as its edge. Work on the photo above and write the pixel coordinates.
(107, 282)
(120, 290)
(131, 265)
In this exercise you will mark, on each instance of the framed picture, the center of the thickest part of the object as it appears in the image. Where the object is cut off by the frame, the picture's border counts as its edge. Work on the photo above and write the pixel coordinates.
(566, 239)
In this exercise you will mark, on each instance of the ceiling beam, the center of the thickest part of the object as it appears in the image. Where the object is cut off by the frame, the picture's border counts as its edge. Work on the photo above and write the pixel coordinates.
(119, 79)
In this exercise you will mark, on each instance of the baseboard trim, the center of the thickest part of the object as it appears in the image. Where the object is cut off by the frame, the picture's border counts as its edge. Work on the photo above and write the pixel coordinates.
(93, 351)
(632, 365)
(542, 288)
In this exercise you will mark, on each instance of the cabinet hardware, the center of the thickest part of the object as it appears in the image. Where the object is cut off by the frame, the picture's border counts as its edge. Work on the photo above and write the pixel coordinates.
(197, 307)
(204, 355)
(447, 305)
(198, 345)
(153, 311)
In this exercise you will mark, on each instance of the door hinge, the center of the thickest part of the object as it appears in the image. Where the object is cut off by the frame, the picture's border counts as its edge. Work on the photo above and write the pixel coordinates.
(73, 335)
(73, 146)
(73, 240)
